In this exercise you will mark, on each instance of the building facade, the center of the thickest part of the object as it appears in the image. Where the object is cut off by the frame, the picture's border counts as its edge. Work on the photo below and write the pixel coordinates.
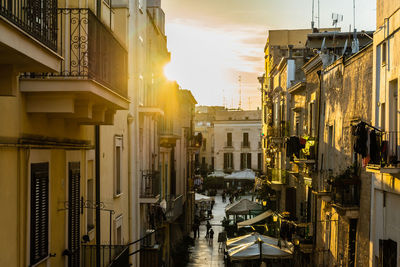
(237, 140)
(385, 194)
(86, 162)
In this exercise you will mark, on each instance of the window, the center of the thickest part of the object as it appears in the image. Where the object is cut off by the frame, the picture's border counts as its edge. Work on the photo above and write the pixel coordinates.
(212, 163)
(204, 144)
(311, 118)
(39, 236)
(229, 139)
(245, 140)
(118, 230)
(228, 160)
(117, 165)
(259, 161)
(245, 161)
(384, 53)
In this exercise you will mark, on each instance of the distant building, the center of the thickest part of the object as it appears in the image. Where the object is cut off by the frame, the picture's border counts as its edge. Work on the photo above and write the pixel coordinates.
(231, 139)
(204, 124)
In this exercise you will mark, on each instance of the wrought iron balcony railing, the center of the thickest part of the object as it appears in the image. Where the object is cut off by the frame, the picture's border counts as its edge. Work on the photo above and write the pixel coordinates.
(174, 207)
(90, 51)
(228, 144)
(346, 192)
(36, 18)
(110, 256)
(150, 186)
(245, 144)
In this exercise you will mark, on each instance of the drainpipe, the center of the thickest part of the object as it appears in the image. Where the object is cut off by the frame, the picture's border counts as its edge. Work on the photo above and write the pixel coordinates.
(317, 155)
(97, 170)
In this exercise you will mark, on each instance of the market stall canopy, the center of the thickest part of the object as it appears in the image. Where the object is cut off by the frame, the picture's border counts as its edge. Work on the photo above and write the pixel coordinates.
(217, 174)
(247, 247)
(252, 250)
(201, 198)
(256, 219)
(242, 175)
(242, 207)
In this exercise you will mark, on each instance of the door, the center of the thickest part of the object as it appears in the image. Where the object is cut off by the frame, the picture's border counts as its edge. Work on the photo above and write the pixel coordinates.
(74, 214)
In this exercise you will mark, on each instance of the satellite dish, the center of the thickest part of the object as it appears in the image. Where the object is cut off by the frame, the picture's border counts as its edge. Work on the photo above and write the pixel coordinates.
(344, 48)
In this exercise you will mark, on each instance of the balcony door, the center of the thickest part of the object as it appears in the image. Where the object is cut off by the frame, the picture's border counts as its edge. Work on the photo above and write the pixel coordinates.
(74, 214)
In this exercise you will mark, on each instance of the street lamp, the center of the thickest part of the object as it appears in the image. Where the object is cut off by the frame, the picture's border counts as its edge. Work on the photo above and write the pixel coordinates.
(264, 203)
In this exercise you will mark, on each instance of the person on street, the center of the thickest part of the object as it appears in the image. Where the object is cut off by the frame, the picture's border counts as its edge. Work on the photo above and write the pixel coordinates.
(211, 236)
(196, 227)
(208, 226)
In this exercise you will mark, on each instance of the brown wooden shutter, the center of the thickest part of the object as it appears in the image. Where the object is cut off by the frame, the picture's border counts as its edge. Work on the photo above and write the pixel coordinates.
(242, 160)
(39, 243)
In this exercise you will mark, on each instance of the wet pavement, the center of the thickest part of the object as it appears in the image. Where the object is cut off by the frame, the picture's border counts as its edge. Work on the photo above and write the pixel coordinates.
(203, 254)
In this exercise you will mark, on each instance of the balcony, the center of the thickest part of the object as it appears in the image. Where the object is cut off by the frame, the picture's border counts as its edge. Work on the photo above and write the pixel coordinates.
(386, 158)
(245, 144)
(150, 187)
(277, 133)
(228, 145)
(110, 256)
(174, 207)
(305, 155)
(91, 83)
(346, 196)
(276, 177)
(166, 130)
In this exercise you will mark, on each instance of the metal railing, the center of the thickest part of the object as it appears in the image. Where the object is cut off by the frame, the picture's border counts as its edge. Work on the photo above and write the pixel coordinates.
(150, 186)
(174, 207)
(37, 18)
(277, 176)
(389, 151)
(346, 192)
(228, 144)
(90, 51)
(119, 256)
(245, 144)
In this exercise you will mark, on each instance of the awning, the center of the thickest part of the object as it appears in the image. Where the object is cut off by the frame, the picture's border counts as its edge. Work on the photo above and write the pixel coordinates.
(202, 198)
(242, 207)
(256, 219)
(242, 175)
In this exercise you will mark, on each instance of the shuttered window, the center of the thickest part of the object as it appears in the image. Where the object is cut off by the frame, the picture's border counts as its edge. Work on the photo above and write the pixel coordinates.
(39, 238)
(228, 160)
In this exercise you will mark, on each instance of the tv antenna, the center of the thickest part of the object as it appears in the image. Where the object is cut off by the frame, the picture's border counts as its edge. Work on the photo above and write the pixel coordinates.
(336, 18)
(313, 17)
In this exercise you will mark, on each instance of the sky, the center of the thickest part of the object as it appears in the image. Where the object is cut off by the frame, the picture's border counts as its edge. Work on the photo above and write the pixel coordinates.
(214, 42)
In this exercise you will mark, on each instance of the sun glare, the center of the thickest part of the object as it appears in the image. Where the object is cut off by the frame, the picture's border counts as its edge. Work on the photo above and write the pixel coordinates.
(169, 72)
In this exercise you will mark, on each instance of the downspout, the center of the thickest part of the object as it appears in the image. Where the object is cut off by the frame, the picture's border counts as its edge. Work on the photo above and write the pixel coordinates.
(97, 170)
(317, 156)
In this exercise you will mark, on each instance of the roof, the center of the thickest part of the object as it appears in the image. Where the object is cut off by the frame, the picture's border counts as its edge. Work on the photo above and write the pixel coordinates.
(242, 207)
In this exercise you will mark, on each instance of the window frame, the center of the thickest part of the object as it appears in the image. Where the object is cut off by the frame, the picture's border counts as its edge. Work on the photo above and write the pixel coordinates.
(118, 142)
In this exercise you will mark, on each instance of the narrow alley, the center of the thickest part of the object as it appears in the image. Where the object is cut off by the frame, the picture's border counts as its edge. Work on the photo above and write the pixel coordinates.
(202, 254)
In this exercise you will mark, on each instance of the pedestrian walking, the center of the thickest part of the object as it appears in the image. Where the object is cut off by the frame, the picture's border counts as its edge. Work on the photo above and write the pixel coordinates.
(211, 236)
(222, 237)
(208, 226)
(196, 227)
